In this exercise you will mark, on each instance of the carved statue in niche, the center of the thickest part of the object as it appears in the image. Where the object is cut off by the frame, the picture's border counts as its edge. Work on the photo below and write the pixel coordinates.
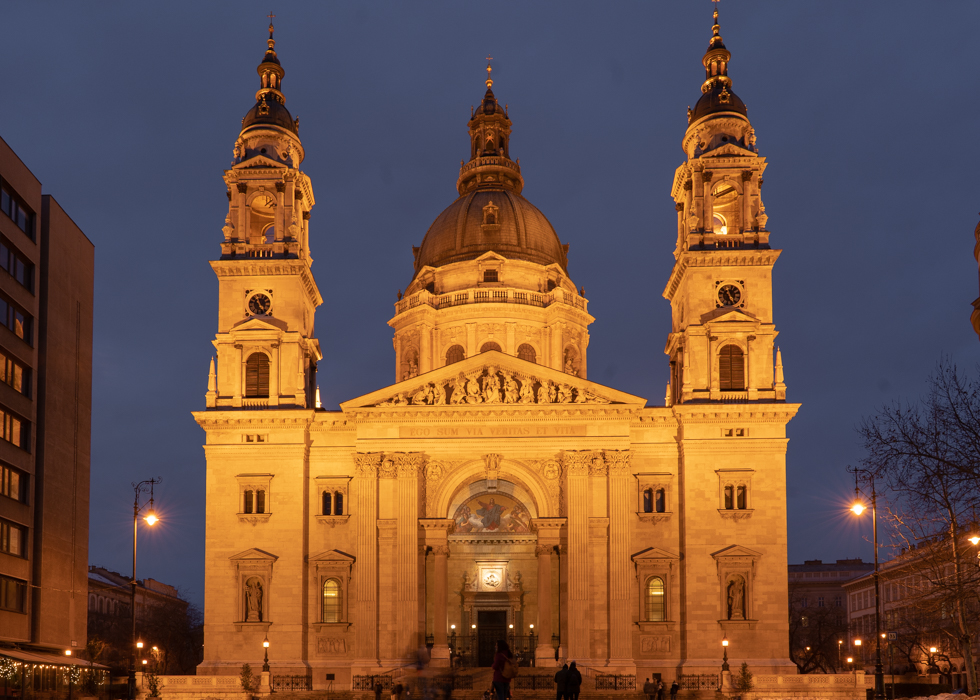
(473, 391)
(736, 598)
(527, 391)
(570, 367)
(253, 600)
(511, 390)
(491, 387)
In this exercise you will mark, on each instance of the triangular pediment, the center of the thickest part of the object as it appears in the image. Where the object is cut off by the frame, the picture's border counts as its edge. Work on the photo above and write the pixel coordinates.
(731, 149)
(654, 554)
(259, 161)
(492, 379)
(727, 314)
(254, 555)
(736, 551)
(333, 555)
(490, 255)
(260, 323)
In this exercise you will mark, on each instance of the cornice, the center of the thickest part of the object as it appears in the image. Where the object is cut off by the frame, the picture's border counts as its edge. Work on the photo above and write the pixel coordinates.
(288, 419)
(724, 413)
(736, 257)
(264, 266)
(483, 414)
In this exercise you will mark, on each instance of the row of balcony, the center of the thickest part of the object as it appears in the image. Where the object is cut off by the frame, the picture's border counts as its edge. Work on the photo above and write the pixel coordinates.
(492, 296)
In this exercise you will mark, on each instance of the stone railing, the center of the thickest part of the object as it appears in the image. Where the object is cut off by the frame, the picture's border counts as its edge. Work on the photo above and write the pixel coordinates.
(202, 687)
(495, 295)
(489, 160)
(839, 686)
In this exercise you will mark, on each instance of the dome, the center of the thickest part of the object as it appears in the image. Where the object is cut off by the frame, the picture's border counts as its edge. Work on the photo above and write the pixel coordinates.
(277, 115)
(464, 231)
(718, 99)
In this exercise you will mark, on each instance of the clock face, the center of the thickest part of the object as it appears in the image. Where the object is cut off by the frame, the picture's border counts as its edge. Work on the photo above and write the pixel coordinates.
(259, 304)
(729, 295)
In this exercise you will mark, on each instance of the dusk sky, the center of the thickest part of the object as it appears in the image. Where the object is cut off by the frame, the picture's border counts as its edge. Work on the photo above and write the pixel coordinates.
(127, 112)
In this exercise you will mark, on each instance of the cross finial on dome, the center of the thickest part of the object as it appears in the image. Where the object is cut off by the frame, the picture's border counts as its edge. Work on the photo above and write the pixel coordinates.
(489, 70)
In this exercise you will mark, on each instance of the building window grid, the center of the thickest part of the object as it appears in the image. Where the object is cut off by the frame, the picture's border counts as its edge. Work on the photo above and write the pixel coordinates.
(16, 210)
(13, 429)
(13, 539)
(18, 321)
(13, 483)
(13, 594)
(15, 375)
(16, 265)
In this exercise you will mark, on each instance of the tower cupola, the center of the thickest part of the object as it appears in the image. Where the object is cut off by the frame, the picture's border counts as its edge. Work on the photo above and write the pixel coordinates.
(490, 164)
(717, 87)
(270, 102)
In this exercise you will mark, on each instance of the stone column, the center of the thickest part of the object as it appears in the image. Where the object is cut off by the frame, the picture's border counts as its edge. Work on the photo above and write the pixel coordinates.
(548, 530)
(236, 399)
(365, 515)
(620, 565)
(409, 468)
(275, 371)
(577, 468)
(425, 348)
(510, 347)
(437, 531)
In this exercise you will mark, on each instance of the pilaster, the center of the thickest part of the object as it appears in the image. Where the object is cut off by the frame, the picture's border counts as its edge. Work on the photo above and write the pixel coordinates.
(577, 466)
(620, 511)
(365, 515)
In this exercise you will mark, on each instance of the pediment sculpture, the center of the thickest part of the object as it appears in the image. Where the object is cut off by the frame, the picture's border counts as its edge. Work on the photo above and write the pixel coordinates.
(491, 385)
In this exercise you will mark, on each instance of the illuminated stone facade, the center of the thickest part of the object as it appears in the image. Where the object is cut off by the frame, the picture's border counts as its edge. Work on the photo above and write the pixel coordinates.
(493, 487)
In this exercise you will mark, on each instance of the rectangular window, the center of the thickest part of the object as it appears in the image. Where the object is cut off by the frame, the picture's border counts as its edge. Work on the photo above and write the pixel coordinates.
(13, 594)
(489, 275)
(248, 502)
(837, 601)
(14, 374)
(260, 501)
(820, 602)
(17, 320)
(19, 267)
(13, 483)
(13, 428)
(13, 538)
(15, 208)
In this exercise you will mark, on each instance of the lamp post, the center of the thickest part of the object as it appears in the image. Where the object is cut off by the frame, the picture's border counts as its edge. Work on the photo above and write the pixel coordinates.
(265, 645)
(857, 509)
(151, 519)
(724, 658)
(840, 643)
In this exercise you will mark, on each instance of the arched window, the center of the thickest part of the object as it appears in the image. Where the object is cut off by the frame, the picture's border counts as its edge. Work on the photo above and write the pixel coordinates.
(247, 502)
(326, 503)
(729, 498)
(269, 235)
(731, 368)
(740, 498)
(526, 352)
(660, 501)
(257, 376)
(455, 354)
(260, 501)
(724, 209)
(487, 347)
(655, 599)
(338, 499)
(648, 500)
(332, 600)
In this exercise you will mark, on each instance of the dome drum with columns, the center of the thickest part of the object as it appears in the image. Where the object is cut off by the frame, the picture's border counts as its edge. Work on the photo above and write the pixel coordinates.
(494, 491)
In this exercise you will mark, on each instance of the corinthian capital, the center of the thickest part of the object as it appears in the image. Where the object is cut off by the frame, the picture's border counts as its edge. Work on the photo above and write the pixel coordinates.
(619, 461)
(366, 463)
(576, 463)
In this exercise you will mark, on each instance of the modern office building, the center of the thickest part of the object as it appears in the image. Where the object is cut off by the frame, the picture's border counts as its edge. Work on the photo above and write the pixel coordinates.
(46, 290)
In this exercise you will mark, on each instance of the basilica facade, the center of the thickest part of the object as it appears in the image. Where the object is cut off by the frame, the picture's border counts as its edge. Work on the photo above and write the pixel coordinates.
(493, 491)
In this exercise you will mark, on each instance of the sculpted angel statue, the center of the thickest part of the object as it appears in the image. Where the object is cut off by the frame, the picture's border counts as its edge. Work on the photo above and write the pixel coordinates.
(511, 390)
(491, 388)
(473, 391)
(564, 393)
(527, 391)
(459, 390)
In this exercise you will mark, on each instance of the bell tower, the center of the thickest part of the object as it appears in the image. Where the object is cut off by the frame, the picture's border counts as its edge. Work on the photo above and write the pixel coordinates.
(722, 340)
(266, 353)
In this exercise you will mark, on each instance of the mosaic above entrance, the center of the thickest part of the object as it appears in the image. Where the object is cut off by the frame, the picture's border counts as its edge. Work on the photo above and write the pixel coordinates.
(492, 514)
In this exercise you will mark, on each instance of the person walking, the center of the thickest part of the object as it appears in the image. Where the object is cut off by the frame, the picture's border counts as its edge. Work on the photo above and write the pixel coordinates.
(650, 689)
(573, 682)
(560, 682)
(396, 691)
(504, 669)
(674, 687)
(660, 689)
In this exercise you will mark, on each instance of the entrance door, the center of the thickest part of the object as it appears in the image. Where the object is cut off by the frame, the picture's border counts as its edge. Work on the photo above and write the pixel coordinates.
(491, 625)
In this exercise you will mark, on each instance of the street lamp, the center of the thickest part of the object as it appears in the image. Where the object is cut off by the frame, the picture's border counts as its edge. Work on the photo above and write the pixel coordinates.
(857, 509)
(265, 645)
(724, 658)
(151, 519)
(840, 642)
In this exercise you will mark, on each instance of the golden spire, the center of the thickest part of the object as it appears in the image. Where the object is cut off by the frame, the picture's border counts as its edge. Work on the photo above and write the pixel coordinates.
(272, 42)
(489, 70)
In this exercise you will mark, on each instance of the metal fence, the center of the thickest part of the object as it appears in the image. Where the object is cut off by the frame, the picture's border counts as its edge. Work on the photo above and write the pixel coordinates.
(368, 682)
(534, 682)
(612, 681)
(454, 681)
(281, 682)
(700, 681)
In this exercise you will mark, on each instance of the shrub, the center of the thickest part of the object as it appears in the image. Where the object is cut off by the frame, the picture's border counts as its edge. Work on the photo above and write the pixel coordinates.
(247, 678)
(743, 679)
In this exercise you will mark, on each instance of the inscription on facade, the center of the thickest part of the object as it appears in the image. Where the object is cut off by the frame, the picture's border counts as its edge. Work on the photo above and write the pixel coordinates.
(477, 431)
(655, 644)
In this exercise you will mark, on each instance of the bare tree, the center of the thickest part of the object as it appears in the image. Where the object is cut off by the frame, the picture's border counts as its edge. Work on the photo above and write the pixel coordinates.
(928, 455)
(813, 633)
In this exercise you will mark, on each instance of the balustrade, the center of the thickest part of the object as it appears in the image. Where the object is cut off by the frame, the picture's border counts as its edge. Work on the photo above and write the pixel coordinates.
(491, 296)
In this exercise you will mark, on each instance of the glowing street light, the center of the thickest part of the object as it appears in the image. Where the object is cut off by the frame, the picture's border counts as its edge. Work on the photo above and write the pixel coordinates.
(857, 508)
(724, 658)
(151, 519)
(265, 663)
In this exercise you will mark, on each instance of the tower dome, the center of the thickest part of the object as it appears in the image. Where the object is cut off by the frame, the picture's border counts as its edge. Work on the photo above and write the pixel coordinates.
(270, 103)
(717, 96)
(490, 214)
